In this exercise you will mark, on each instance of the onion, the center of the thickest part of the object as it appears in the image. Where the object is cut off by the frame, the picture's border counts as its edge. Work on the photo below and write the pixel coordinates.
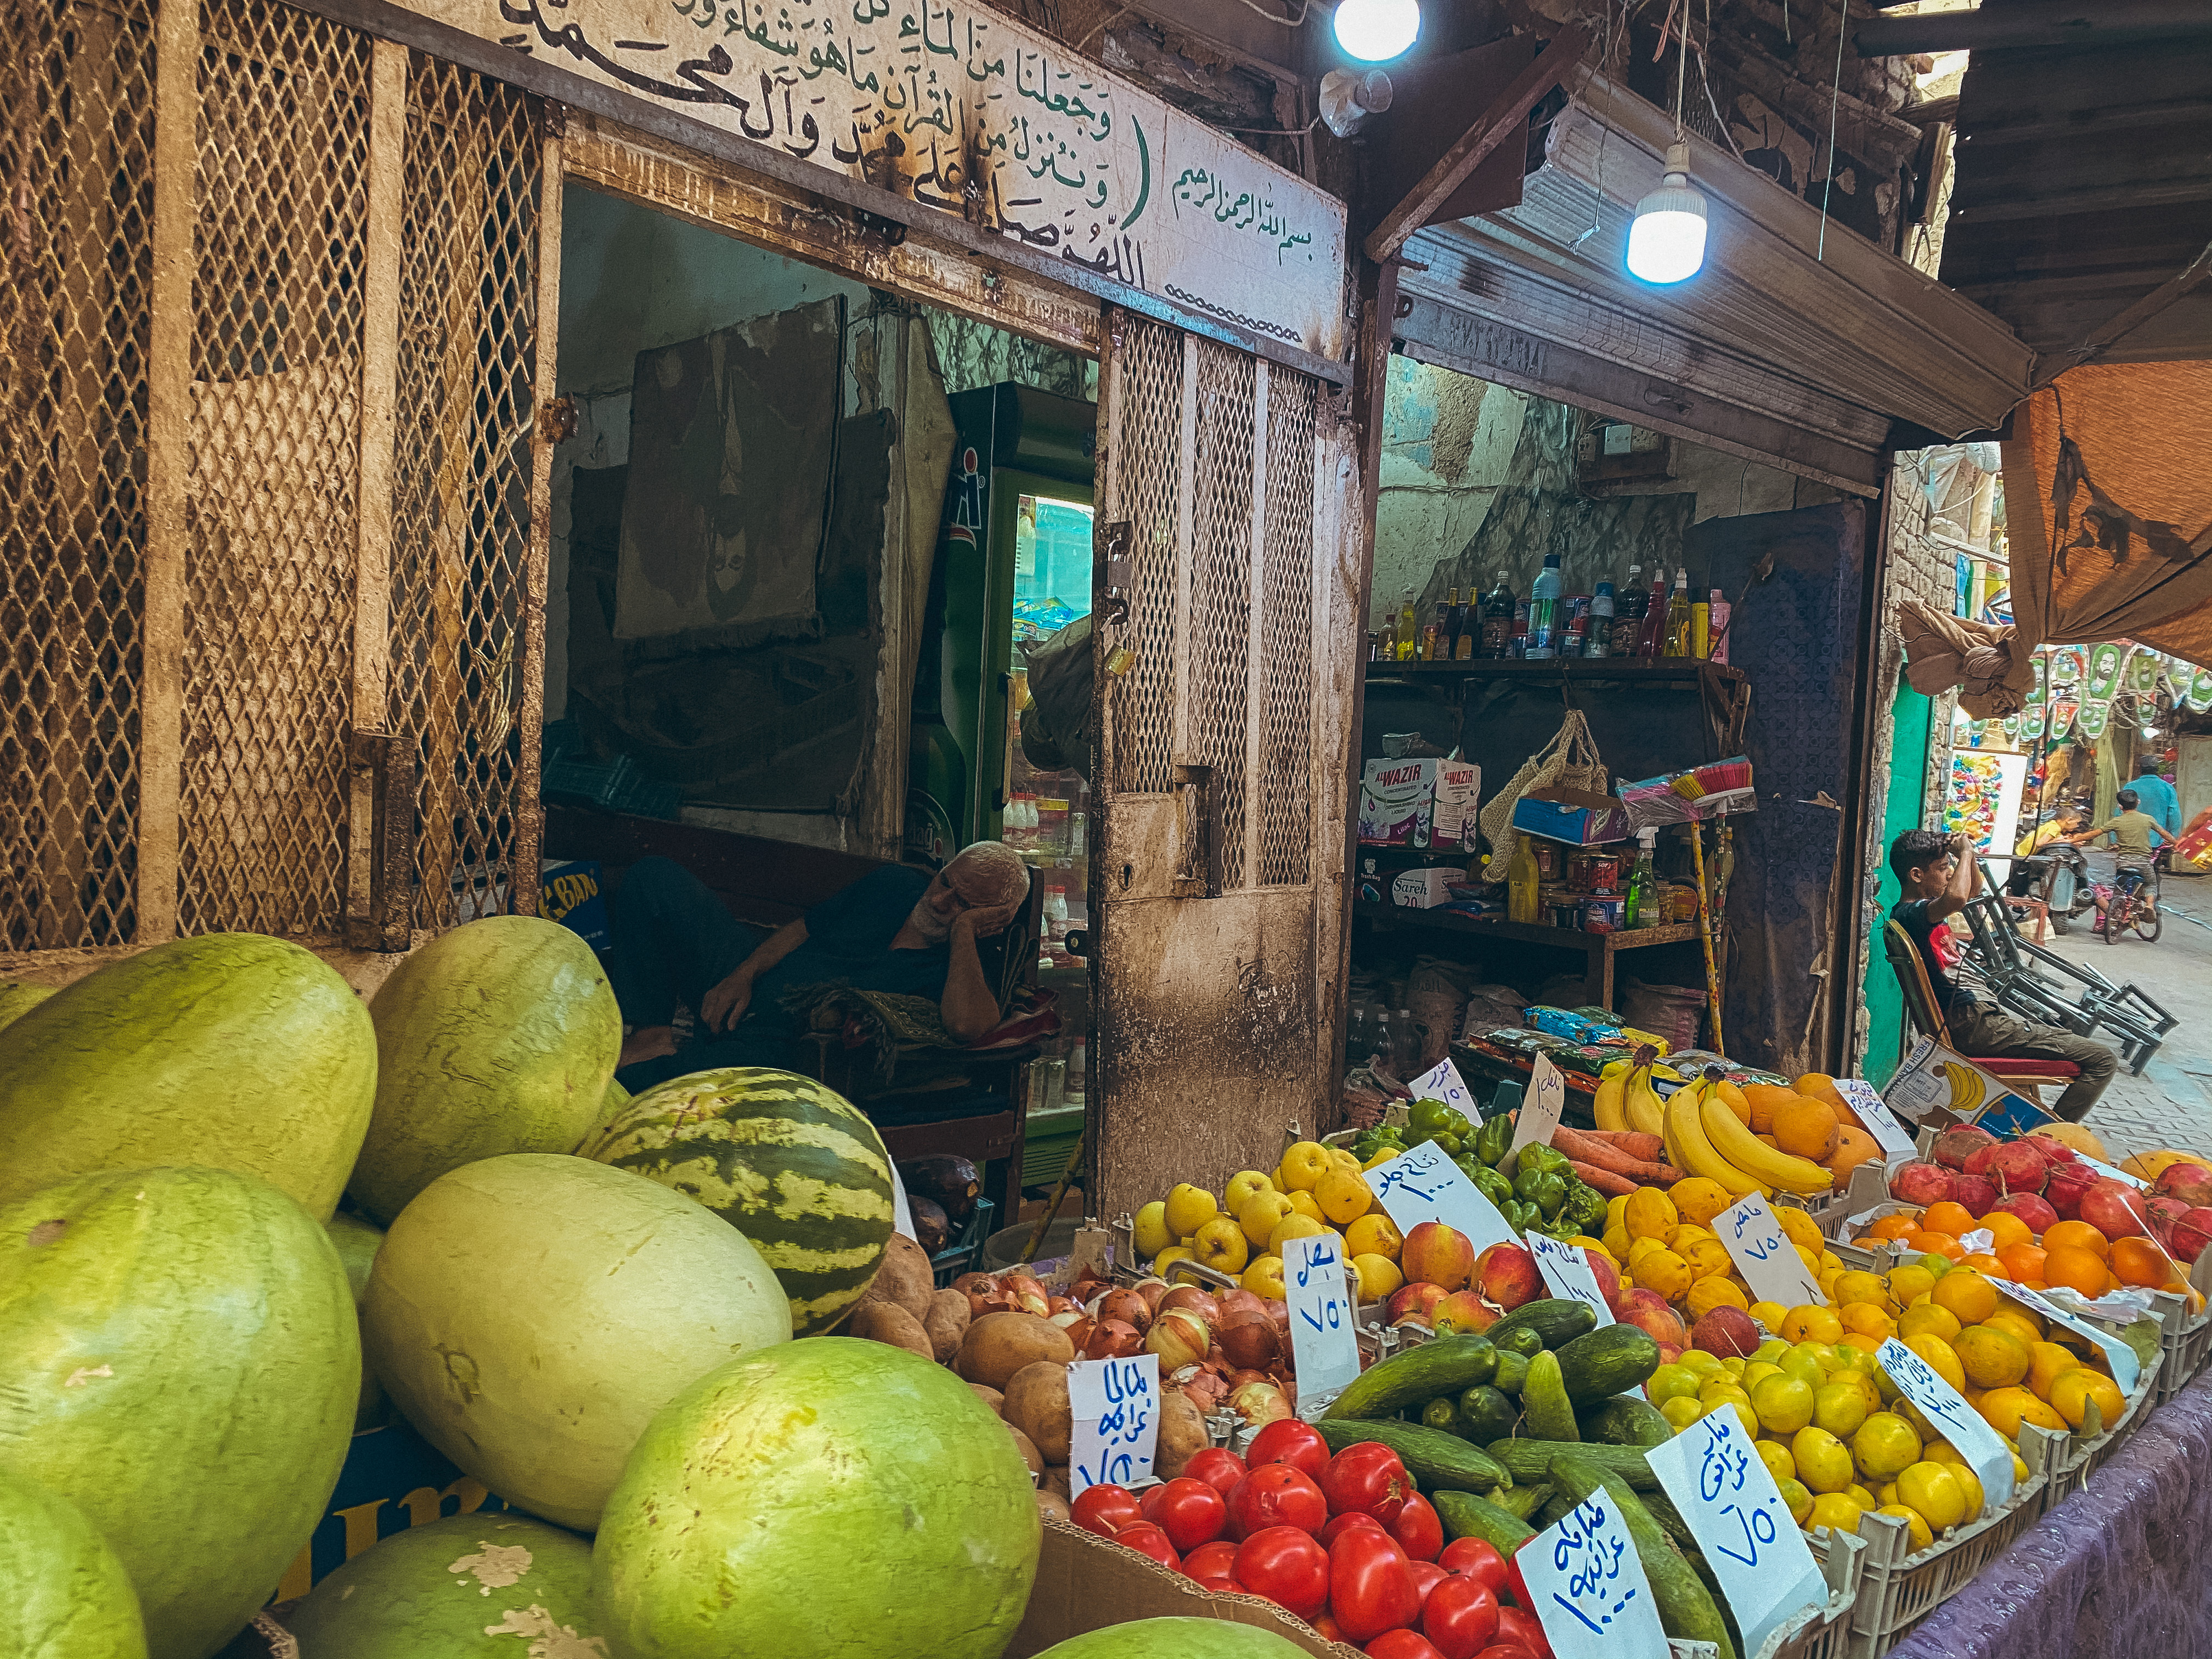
(1240, 1300)
(1239, 1379)
(1179, 1337)
(1279, 1313)
(1126, 1305)
(1199, 1302)
(1055, 1305)
(974, 1284)
(1110, 1338)
(991, 1301)
(1028, 1296)
(1259, 1402)
(1152, 1290)
(1250, 1341)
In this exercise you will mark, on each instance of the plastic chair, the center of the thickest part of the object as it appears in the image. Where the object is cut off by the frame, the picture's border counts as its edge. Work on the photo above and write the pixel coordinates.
(2030, 1075)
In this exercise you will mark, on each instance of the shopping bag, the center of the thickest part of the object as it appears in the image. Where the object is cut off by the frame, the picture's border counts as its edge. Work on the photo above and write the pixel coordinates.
(1571, 760)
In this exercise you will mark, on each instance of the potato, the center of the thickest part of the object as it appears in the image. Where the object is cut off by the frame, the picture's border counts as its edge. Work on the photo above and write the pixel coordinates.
(1055, 1479)
(1028, 1449)
(1182, 1434)
(990, 1397)
(1036, 1404)
(946, 1322)
(886, 1321)
(1052, 1505)
(998, 1345)
(903, 1279)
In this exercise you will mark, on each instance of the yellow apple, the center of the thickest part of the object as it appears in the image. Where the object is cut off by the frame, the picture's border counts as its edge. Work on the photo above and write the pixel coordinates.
(1265, 1278)
(1304, 1164)
(1220, 1244)
(1189, 1208)
(1241, 1186)
(1151, 1233)
(1263, 1213)
(1291, 1227)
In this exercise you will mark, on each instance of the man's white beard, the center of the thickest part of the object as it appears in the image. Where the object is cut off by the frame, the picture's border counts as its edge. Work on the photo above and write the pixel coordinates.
(931, 925)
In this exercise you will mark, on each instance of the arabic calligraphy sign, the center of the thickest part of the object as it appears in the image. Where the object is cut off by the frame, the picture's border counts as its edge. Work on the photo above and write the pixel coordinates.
(960, 108)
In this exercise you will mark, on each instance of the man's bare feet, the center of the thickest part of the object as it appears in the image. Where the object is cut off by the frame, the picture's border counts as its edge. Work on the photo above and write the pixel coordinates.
(646, 1042)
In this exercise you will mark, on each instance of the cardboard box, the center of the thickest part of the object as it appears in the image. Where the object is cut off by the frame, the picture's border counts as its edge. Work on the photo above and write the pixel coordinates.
(569, 894)
(1419, 803)
(1086, 1583)
(1422, 889)
(1570, 816)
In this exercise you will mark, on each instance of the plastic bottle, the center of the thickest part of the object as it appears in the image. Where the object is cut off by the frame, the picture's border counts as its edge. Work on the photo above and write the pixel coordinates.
(1642, 909)
(1497, 621)
(1716, 621)
(1522, 882)
(1544, 608)
(1601, 622)
(1678, 615)
(1409, 628)
(1628, 617)
(1701, 630)
(1651, 639)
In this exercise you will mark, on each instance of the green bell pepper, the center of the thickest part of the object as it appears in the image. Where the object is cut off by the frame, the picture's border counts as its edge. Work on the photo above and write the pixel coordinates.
(1519, 1214)
(1428, 1116)
(1459, 1123)
(1491, 1140)
(1539, 1156)
(1540, 1187)
(1586, 1208)
(1492, 1186)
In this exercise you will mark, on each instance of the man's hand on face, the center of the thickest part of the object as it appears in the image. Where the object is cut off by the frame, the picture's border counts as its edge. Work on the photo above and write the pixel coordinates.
(646, 1042)
(984, 922)
(726, 1005)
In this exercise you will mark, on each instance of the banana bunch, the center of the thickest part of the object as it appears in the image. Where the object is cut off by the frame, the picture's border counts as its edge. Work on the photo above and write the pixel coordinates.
(1707, 1135)
(1967, 1086)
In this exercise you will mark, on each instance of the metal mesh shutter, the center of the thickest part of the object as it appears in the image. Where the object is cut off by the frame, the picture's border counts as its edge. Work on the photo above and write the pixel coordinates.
(1150, 498)
(1287, 646)
(1219, 644)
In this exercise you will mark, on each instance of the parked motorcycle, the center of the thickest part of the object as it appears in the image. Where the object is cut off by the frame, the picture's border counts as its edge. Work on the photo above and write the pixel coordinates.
(2059, 875)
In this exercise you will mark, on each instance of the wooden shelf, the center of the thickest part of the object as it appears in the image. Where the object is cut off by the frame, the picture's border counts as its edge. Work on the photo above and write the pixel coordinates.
(1597, 949)
(1683, 671)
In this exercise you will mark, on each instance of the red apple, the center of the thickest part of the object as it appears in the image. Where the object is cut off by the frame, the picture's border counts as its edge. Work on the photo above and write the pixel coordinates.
(1648, 1310)
(1923, 1184)
(1417, 1301)
(1976, 1193)
(1464, 1310)
(2115, 1209)
(1508, 1275)
(1727, 1332)
(1601, 1269)
(2032, 1207)
(1954, 1147)
(2064, 1189)
(1437, 1255)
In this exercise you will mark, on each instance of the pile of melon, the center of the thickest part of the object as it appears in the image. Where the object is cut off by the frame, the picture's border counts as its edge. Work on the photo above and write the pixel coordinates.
(588, 1302)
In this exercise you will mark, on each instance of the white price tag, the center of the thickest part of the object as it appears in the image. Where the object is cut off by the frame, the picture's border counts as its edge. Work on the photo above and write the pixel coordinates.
(1897, 1140)
(1588, 1587)
(2127, 1370)
(1541, 1112)
(1425, 1185)
(1567, 1271)
(1729, 1502)
(1444, 1083)
(1323, 1351)
(1116, 1405)
(2112, 1174)
(1752, 1234)
(1945, 1408)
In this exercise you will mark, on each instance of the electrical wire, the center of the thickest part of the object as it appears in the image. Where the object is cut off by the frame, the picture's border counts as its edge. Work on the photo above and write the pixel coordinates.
(1835, 98)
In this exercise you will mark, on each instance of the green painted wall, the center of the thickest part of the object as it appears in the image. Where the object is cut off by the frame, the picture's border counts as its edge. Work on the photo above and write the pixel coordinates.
(1908, 771)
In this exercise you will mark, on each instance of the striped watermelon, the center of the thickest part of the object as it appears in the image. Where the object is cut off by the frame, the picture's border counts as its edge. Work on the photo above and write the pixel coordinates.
(792, 1165)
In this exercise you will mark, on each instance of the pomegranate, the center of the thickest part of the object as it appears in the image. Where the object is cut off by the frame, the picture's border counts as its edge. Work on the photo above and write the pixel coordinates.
(2032, 1208)
(2191, 1234)
(1923, 1184)
(2065, 1188)
(2114, 1209)
(1976, 1193)
(1954, 1147)
(2016, 1168)
(1727, 1332)
(2190, 1183)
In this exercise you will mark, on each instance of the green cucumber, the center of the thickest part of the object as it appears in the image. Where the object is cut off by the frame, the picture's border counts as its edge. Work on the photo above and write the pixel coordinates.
(1441, 1462)
(1687, 1608)
(1544, 1407)
(1531, 1460)
(1525, 1340)
(1524, 1501)
(1442, 1414)
(1555, 1509)
(1602, 1363)
(1622, 1421)
(1486, 1414)
(1417, 1375)
(1512, 1372)
(1557, 1321)
(1466, 1516)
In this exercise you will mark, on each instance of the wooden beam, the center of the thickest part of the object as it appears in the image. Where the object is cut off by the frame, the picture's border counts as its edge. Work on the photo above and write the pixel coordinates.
(2075, 23)
(1505, 116)
(2104, 339)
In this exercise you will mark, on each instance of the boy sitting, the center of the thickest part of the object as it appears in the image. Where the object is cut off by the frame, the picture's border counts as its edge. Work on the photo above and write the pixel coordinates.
(1939, 874)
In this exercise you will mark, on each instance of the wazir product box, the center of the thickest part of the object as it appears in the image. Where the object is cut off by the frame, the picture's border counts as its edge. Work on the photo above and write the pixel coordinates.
(1419, 803)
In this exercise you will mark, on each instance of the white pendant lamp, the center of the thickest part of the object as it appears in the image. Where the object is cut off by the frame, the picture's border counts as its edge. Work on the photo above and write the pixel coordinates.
(1667, 240)
(1376, 31)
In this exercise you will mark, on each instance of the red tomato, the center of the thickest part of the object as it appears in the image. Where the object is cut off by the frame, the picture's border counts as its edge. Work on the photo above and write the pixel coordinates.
(1400, 1644)
(1212, 1560)
(1105, 1510)
(1326, 1627)
(1517, 1627)
(1276, 1495)
(1516, 1592)
(1460, 1616)
(1505, 1650)
(1427, 1575)
(1285, 1565)
(1370, 1587)
(1337, 1527)
(1286, 1440)
(1217, 1585)
(1367, 1477)
(1190, 1512)
(1146, 1539)
(1418, 1531)
(1220, 1468)
(1476, 1557)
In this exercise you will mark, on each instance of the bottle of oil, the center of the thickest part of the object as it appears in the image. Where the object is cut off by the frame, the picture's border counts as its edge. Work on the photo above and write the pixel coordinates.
(1409, 629)
(1678, 615)
(1497, 621)
(1522, 881)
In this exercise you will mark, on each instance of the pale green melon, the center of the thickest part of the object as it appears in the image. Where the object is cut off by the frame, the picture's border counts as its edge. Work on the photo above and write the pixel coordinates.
(846, 1489)
(497, 1037)
(233, 1051)
(470, 1587)
(182, 1363)
(62, 1594)
(357, 1242)
(530, 1314)
(1176, 1638)
(17, 1000)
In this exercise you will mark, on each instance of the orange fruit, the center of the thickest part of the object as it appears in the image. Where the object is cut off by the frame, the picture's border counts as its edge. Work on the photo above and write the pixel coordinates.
(1942, 1244)
(1985, 1264)
(2027, 1326)
(1807, 1128)
(1764, 1098)
(1955, 1219)
(2047, 1363)
(2006, 1409)
(1819, 1086)
(1993, 1357)
(2007, 1230)
(2078, 1235)
(1966, 1295)
(2139, 1261)
(1900, 1226)
(2022, 1261)
(2075, 1267)
(1854, 1147)
(2071, 1389)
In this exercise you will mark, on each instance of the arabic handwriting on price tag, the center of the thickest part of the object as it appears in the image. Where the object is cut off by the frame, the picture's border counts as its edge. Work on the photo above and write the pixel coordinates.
(1961, 1425)
(1728, 1500)
(1115, 1406)
(1589, 1586)
(2127, 1370)
(1881, 1123)
(1425, 1185)
(1770, 1264)
(1567, 1271)
(1323, 1349)
(1444, 1083)
(1538, 1115)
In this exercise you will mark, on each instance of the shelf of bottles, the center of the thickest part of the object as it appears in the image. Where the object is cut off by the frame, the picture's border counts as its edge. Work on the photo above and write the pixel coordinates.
(1639, 623)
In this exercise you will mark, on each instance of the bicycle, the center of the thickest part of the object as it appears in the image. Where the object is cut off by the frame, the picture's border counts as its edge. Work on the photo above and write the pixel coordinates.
(2132, 902)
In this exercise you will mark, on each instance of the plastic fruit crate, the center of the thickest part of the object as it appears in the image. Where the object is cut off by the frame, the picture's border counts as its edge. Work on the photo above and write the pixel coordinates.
(2079, 1459)
(966, 1253)
(1868, 1187)
(1823, 1632)
(2186, 1344)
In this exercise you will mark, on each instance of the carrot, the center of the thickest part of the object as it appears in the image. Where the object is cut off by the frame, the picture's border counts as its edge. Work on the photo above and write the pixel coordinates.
(1590, 1149)
(1650, 1148)
(1612, 1185)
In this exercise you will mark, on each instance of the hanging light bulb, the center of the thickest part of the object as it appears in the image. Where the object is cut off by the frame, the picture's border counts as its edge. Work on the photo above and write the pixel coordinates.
(1667, 240)
(1374, 31)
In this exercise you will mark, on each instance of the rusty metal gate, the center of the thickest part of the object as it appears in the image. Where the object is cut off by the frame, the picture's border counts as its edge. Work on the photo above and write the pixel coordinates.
(1218, 884)
(272, 528)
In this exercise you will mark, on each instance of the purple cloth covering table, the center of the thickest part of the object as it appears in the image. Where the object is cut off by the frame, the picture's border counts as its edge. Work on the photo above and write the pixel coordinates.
(2122, 1569)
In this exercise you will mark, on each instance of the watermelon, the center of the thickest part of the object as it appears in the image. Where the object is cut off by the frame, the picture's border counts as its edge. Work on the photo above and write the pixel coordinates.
(357, 1240)
(1176, 1638)
(469, 1587)
(234, 1049)
(848, 1490)
(497, 1037)
(792, 1165)
(529, 1313)
(182, 1365)
(17, 1000)
(62, 1594)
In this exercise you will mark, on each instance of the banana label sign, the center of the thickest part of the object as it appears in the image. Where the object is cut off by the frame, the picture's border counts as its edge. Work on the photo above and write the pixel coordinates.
(1933, 1078)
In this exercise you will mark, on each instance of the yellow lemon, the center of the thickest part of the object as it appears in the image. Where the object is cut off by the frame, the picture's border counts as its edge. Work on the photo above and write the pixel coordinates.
(1908, 1285)
(1734, 1401)
(1378, 1276)
(2027, 1326)
(1650, 1213)
(2046, 1361)
(1264, 1277)
(1783, 1404)
(1263, 1213)
(1698, 1199)
(1663, 1271)
(2070, 1394)
(1778, 1461)
(1616, 1211)
(1969, 1483)
(1855, 1285)
(1941, 1451)
(1800, 1229)
(1640, 1248)
(1921, 1538)
(1809, 1322)
(1682, 1410)
(1697, 1359)
(1770, 1314)
(1711, 1292)
(1757, 1371)
(1291, 1227)
(1884, 1445)
(1187, 1209)
(1151, 1234)
(1374, 1235)
(1708, 1258)
(1670, 1382)
(1799, 1500)
(1804, 1365)
(1712, 1386)
(1824, 1462)
(1835, 1510)
(1966, 1294)
(1683, 1234)
(1241, 1187)
(1616, 1242)
(1942, 1359)
(1932, 1490)
(1928, 1319)
(1343, 1198)
(1993, 1357)
(1305, 1204)
(1304, 1165)
(1860, 1496)
(1840, 1408)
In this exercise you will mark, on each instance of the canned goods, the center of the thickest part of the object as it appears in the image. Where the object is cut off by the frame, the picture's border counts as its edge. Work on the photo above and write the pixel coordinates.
(1602, 873)
(1603, 915)
(1568, 915)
